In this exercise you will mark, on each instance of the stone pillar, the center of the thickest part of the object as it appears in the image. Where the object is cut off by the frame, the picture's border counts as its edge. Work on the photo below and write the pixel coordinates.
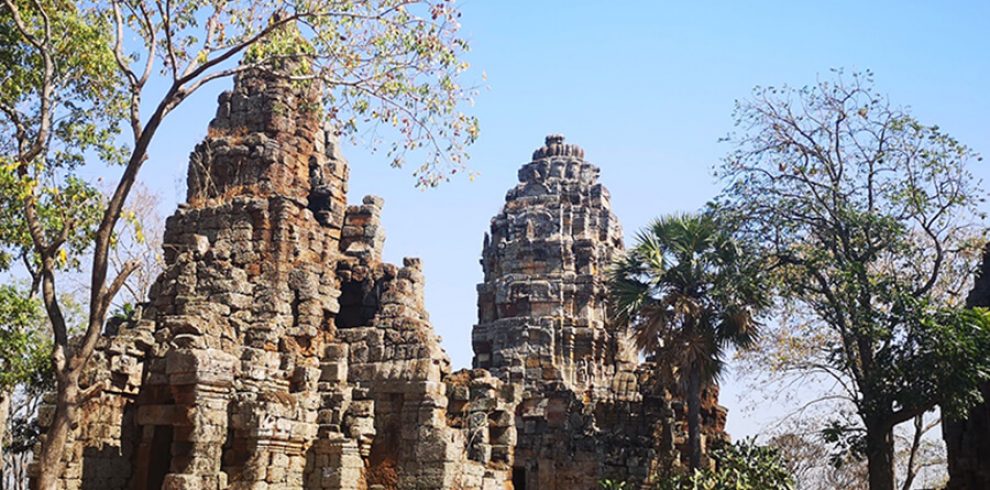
(201, 382)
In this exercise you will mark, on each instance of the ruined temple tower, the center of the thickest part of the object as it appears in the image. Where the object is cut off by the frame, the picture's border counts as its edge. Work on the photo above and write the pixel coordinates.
(233, 387)
(542, 315)
(587, 410)
(278, 351)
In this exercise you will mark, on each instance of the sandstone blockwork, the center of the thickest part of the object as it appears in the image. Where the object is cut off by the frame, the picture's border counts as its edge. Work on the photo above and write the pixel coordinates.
(278, 351)
(589, 410)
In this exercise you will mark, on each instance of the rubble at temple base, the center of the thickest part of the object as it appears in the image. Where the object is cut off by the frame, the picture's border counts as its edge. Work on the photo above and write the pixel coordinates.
(278, 351)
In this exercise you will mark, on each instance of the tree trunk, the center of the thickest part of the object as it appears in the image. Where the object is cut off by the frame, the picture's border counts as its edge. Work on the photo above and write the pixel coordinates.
(694, 417)
(919, 431)
(880, 455)
(50, 459)
(4, 414)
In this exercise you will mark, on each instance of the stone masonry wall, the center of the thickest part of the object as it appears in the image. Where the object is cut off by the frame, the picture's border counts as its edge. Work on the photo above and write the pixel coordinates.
(100, 451)
(277, 349)
(542, 305)
(589, 409)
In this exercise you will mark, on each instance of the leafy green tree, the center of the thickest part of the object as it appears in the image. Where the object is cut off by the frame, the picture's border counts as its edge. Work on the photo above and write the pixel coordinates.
(77, 76)
(24, 348)
(743, 465)
(25, 352)
(689, 292)
(867, 219)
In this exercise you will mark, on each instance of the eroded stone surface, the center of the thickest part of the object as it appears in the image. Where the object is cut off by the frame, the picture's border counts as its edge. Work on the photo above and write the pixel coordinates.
(589, 409)
(278, 350)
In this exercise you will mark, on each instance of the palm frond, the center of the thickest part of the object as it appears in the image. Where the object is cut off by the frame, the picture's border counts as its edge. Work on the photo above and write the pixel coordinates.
(688, 292)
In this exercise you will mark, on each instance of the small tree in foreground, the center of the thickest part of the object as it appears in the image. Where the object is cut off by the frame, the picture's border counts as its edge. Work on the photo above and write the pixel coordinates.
(689, 293)
(76, 78)
(742, 465)
(867, 218)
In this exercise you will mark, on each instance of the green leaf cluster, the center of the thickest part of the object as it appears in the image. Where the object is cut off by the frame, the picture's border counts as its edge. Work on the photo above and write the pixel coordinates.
(285, 46)
(941, 356)
(24, 345)
(68, 211)
(689, 291)
(86, 105)
(742, 465)
(609, 484)
(87, 98)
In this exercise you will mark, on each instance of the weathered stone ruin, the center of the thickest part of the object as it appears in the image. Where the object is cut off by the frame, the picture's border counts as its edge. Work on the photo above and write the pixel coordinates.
(967, 442)
(589, 409)
(278, 351)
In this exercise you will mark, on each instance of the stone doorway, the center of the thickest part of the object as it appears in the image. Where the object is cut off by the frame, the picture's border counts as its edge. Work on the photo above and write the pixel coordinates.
(159, 457)
(519, 478)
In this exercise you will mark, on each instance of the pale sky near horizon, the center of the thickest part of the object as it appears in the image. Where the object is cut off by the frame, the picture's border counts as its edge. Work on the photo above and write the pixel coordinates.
(646, 88)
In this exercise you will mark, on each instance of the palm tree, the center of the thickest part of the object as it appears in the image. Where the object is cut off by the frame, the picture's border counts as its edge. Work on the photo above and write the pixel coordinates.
(689, 293)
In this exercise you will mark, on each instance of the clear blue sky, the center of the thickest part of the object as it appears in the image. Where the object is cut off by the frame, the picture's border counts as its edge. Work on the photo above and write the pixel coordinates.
(646, 88)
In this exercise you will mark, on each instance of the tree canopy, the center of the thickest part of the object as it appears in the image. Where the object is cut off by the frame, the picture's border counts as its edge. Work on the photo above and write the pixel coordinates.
(24, 347)
(869, 221)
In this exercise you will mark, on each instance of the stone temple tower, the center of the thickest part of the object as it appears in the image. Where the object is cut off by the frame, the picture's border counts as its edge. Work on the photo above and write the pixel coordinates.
(277, 350)
(541, 307)
(587, 410)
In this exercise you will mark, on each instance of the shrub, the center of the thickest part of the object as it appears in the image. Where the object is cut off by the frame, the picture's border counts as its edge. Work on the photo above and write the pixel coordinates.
(743, 465)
